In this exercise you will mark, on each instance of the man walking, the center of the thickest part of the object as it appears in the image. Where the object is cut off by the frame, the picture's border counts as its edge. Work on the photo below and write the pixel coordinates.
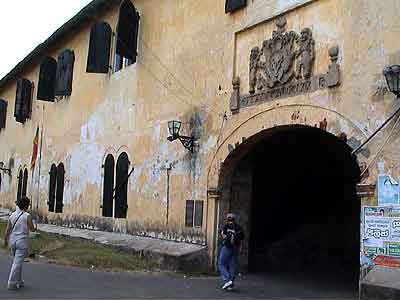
(232, 235)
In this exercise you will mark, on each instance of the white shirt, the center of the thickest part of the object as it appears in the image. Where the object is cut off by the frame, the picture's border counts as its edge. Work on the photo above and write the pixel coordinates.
(21, 230)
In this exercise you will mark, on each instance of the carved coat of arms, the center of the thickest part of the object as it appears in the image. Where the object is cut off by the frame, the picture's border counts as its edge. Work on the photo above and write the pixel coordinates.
(285, 56)
(283, 67)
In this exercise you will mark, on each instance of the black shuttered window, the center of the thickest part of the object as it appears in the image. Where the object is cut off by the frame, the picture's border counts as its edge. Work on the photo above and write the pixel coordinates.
(47, 79)
(23, 100)
(189, 213)
(127, 32)
(99, 48)
(3, 114)
(233, 5)
(64, 74)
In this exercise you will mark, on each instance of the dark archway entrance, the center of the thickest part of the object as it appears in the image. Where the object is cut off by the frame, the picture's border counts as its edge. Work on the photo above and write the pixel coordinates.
(294, 190)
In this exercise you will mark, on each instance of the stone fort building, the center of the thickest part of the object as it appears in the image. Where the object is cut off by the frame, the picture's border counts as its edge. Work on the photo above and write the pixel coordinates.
(272, 97)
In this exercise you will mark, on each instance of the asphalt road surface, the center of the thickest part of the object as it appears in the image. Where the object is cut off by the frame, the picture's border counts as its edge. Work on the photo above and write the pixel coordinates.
(48, 281)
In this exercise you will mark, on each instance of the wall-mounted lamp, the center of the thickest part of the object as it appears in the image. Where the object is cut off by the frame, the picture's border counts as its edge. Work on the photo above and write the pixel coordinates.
(392, 75)
(5, 170)
(174, 127)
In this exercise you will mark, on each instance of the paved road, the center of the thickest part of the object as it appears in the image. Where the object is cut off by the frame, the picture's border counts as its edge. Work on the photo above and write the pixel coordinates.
(47, 281)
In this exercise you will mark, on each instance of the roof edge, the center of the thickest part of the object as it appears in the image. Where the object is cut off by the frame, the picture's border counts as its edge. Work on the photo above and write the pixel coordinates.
(84, 15)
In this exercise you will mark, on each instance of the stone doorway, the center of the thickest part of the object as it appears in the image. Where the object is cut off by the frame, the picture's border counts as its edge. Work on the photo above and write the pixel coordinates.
(294, 190)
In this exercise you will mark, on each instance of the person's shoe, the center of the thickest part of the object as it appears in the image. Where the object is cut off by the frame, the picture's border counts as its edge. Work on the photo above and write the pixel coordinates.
(20, 284)
(227, 284)
(229, 288)
(12, 287)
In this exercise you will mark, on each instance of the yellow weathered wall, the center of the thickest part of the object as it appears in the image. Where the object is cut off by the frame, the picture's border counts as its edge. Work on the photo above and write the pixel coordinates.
(189, 51)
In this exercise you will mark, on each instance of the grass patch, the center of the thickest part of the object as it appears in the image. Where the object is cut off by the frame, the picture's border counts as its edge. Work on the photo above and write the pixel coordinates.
(76, 252)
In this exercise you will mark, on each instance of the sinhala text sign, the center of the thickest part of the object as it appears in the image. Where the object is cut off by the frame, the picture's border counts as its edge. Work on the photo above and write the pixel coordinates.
(381, 234)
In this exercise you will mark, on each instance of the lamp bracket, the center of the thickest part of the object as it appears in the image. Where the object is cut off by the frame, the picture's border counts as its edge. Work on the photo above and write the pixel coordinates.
(187, 141)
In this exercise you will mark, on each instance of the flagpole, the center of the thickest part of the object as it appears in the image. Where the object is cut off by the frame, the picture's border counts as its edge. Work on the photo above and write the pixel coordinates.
(40, 164)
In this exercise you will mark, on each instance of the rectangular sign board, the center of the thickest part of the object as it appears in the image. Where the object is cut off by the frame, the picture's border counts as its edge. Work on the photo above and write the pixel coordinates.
(381, 230)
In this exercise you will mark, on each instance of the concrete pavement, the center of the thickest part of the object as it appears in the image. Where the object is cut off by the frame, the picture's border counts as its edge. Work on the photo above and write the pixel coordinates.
(47, 281)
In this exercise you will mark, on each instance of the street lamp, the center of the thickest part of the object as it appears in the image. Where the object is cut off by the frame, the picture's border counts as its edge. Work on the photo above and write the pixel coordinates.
(5, 170)
(392, 75)
(174, 128)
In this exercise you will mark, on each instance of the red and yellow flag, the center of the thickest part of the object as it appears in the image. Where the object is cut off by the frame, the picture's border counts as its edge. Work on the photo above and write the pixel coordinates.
(35, 149)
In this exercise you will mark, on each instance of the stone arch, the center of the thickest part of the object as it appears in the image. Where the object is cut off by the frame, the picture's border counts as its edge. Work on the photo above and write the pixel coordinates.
(305, 115)
(295, 114)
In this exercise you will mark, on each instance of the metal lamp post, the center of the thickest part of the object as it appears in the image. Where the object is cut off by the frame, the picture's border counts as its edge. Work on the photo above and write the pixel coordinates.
(174, 128)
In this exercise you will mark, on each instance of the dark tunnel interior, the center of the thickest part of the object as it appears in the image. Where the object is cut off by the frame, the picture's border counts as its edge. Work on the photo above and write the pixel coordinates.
(305, 214)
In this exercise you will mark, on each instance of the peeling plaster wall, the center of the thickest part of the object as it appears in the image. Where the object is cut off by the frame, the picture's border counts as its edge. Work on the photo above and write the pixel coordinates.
(189, 51)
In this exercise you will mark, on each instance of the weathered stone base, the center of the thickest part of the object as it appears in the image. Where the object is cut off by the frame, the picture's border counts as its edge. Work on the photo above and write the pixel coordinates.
(377, 292)
(121, 226)
(381, 283)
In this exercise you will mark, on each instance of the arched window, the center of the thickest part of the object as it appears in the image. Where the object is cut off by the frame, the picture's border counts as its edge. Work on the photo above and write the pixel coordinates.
(25, 183)
(47, 79)
(121, 186)
(127, 35)
(3, 114)
(23, 100)
(19, 188)
(52, 187)
(99, 48)
(108, 186)
(60, 188)
(64, 74)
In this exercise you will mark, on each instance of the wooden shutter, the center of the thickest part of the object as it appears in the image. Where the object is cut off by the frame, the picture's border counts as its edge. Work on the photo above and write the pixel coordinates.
(232, 5)
(136, 20)
(108, 186)
(3, 113)
(128, 28)
(60, 188)
(23, 100)
(52, 187)
(99, 48)
(64, 74)
(121, 186)
(19, 188)
(47, 79)
(25, 183)
(189, 213)
(198, 214)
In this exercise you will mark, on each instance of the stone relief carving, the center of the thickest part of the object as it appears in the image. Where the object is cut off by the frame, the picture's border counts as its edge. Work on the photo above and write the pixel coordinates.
(305, 54)
(283, 67)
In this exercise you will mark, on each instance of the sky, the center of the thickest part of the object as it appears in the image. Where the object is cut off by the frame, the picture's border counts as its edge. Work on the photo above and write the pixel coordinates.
(24, 24)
